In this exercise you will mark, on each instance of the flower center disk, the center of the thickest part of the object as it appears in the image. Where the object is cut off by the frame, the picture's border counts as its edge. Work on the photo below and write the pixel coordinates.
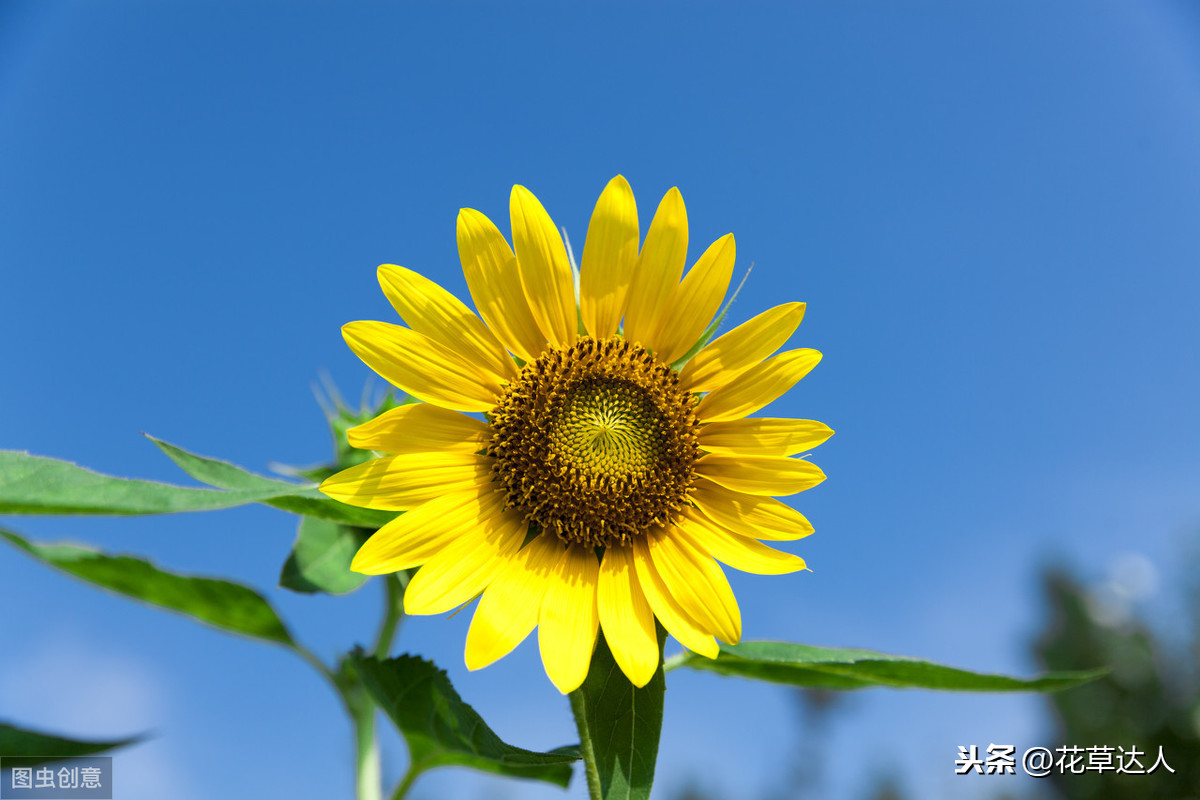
(595, 442)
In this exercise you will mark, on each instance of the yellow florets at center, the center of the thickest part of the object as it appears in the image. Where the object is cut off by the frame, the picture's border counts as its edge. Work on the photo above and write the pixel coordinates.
(596, 442)
(608, 428)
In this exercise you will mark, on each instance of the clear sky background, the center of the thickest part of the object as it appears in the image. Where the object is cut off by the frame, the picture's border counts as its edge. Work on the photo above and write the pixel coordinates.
(992, 210)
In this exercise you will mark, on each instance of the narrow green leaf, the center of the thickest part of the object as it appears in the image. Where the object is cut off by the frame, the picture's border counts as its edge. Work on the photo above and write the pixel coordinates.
(24, 743)
(442, 730)
(621, 725)
(220, 474)
(833, 668)
(298, 499)
(40, 485)
(320, 558)
(228, 606)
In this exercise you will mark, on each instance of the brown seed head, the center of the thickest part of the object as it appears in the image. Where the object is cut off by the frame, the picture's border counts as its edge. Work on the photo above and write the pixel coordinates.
(596, 442)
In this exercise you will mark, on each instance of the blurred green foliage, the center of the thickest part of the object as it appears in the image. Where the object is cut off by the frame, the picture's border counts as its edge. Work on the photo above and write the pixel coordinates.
(1150, 699)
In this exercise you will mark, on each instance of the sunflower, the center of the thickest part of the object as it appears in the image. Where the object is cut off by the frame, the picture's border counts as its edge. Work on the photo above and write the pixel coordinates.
(608, 467)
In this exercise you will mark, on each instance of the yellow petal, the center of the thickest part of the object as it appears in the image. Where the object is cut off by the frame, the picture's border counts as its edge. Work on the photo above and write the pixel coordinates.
(495, 284)
(749, 515)
(674, 618)
(658, 270)
(421, 366)
(509, 608)
(757, 386)
(730, 355)
(765, 475)
(398, 483)
(760, 436)
(568, 619)
(466, 566)
(431, 310)
(697, 584)
(697, 300)
(412, 539)
(626, 617)
(739, 552)
(544, 268)
(421, 428)
(609, 256)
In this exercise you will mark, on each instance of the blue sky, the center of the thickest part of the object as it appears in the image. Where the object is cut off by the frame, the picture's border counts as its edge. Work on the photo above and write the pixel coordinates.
(991, 210)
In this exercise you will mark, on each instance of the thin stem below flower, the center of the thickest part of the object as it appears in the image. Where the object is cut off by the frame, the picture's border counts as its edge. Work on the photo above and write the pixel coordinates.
(393, 599)
(404, 785)
(586, 748)
(362, 707)
(317, 664)
(361, 710)
(366, 752)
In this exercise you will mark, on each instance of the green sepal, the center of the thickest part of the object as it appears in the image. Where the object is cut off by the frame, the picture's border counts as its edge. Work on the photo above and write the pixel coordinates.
(711, 330)
(228, 606)
(442, 730)
(341, 419)
(835, 668)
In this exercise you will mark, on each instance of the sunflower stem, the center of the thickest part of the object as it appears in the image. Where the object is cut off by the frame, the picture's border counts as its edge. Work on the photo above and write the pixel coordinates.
(362, 707)
(586, 747)
(401, 790)
(393, 600)
(366, 752)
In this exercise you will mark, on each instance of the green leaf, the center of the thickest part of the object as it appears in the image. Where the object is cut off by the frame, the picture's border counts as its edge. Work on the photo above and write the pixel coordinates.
(298, 499)
(621, 725)
(442, 730)
(40, 485)
(21, 742)
(228, 606)
(320, 558)
(833, 668)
